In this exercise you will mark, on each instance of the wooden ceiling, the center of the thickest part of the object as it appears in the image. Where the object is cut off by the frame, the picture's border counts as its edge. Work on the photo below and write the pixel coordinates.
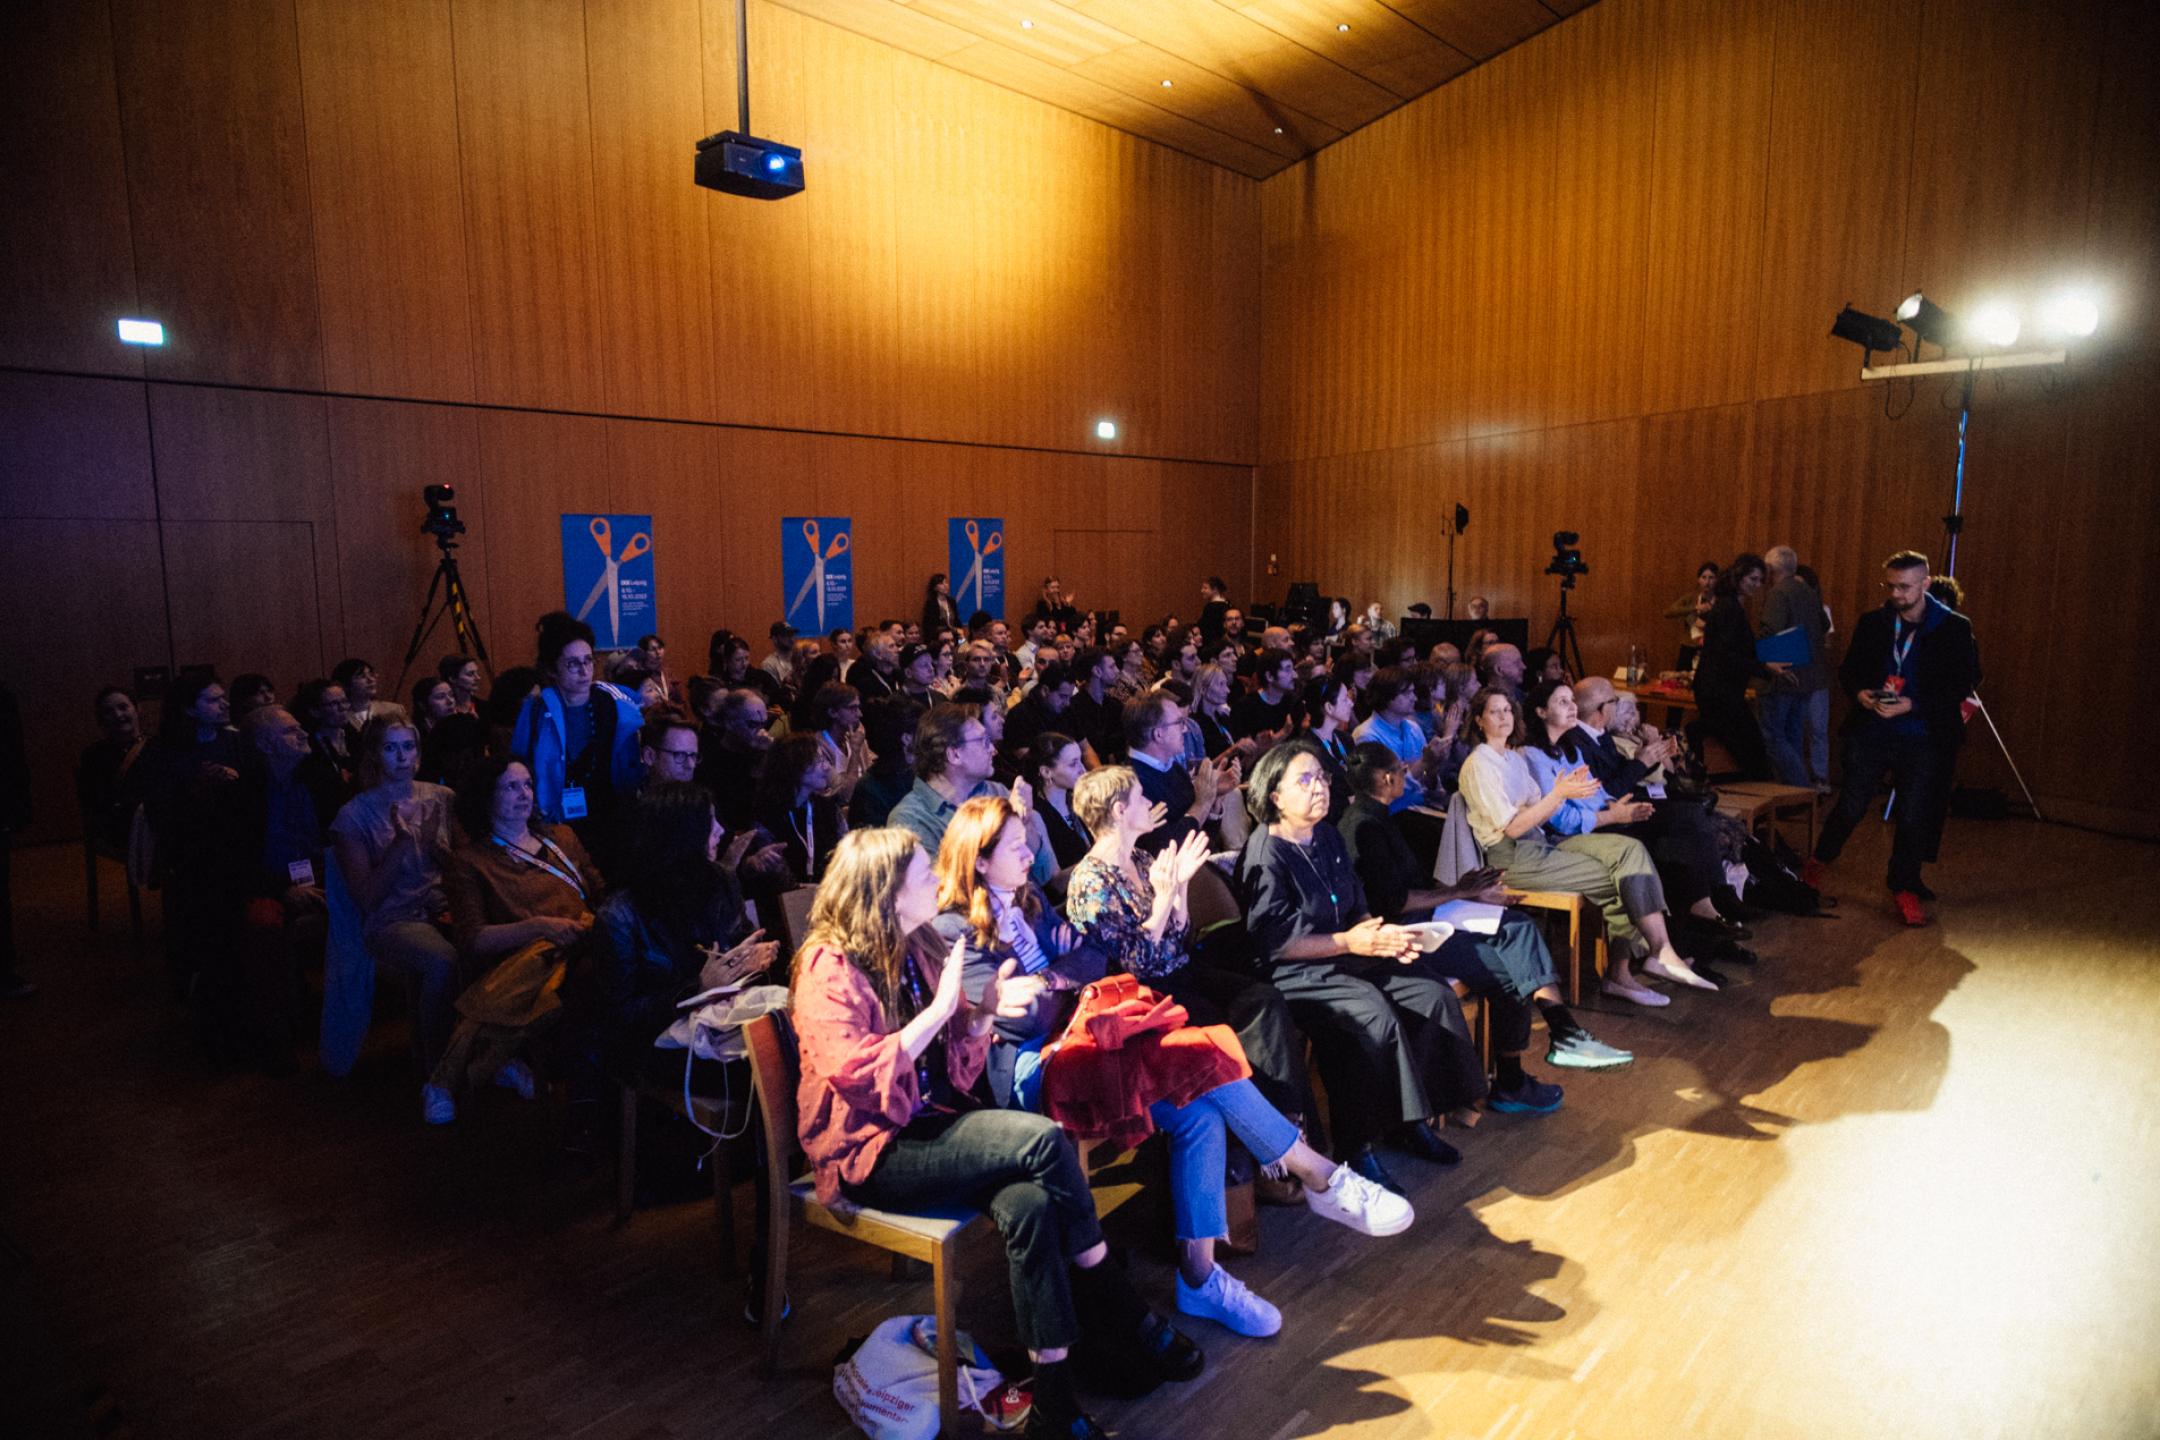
(1251, 85)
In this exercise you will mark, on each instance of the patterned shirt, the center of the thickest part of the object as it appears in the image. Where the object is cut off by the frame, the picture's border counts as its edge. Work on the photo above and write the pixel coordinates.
(1111, 913)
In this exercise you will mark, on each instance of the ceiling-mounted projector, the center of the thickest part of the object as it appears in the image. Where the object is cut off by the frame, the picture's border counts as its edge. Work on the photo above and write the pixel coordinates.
(739, 164)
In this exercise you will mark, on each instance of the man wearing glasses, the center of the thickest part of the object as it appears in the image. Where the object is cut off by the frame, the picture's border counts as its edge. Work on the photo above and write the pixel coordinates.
(954, 758)
(1910, 668)
(669, 749)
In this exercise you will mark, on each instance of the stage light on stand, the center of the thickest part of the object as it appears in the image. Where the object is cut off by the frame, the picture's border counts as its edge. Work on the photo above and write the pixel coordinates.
(1928, 320)
(2070, 314)
(1995, 323)
(1869, 332)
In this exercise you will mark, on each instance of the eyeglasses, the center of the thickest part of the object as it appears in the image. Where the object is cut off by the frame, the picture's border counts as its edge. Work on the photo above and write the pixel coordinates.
(1312, 780)
(691, 755)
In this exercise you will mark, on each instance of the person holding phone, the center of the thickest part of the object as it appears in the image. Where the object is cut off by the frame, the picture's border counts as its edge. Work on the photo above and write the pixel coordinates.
(1910, 667)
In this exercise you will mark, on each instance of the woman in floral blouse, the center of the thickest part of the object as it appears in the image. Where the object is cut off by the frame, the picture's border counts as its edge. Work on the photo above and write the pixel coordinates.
(1141, 928)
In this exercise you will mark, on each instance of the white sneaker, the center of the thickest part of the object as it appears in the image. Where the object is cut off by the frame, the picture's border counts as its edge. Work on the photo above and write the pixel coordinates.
(517, 1076)
(1225, 1299)
(1641, 994)
(1355, 1201)
(436, 1106)
(1680, 974)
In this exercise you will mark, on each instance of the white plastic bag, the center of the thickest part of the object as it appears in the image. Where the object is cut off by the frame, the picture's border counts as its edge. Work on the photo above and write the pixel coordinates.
(889, 1386)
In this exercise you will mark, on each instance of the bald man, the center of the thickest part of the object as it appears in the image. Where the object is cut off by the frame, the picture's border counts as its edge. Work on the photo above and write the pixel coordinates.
(1502, 665)
(1679, 836)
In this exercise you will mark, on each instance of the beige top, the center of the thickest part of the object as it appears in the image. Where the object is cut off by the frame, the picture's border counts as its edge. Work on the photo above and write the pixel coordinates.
(1495, 784)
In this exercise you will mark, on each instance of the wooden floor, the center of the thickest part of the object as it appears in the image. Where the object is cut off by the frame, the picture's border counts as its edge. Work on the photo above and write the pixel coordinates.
(1905, 1184)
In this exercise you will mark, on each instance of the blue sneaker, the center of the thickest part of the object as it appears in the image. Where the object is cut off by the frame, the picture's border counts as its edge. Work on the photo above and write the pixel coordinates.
(1583, 1051)
(1532, 1097)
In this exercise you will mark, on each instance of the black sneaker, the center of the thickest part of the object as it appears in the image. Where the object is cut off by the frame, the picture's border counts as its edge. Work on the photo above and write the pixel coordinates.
(1054, 1411)
(1367, 1163)
(1421, 1140)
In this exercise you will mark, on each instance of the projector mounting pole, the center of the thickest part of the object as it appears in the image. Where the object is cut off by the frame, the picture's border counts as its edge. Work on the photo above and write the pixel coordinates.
(742, 64)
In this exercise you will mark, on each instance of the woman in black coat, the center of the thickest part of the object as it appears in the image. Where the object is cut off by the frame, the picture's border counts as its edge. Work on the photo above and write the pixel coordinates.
(1727, 666)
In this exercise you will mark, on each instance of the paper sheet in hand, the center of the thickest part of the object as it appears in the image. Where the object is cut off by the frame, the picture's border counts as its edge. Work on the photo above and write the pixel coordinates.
(1430, 934)
(1478, 919)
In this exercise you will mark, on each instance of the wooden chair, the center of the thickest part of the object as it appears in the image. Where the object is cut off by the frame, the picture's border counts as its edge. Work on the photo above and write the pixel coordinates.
(1549, 902)
(723, 1116)
(932, 1238)
(1761, 804)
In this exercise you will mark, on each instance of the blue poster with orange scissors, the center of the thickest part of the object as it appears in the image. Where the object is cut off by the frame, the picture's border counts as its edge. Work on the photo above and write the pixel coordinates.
(817, 573)
(607, 570)
(975, 566)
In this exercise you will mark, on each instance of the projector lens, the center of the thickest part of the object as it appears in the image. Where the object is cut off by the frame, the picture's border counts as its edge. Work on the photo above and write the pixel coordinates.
(776, 162)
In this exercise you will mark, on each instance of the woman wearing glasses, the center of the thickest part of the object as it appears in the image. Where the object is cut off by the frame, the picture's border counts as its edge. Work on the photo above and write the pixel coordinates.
(1395, 1053)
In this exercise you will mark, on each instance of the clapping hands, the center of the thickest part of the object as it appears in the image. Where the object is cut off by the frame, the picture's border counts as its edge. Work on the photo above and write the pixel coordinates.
(725, 967)
(1575, 784)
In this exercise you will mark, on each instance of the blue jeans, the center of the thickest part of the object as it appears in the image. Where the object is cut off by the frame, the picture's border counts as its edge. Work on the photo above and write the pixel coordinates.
(1197, 1151)
(1796, 732)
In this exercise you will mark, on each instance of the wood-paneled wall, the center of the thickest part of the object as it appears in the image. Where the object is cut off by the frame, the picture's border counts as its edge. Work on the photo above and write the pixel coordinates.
(407, 241)
(490, 201)
(1588, 286)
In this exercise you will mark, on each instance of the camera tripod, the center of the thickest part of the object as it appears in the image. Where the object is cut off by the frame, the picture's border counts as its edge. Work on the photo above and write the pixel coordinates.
(1562, 639)
(454, 602)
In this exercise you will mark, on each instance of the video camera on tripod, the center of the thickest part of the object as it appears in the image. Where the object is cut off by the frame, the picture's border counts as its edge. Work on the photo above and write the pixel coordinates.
(1567, 561)
(442, 518)
(446, 591)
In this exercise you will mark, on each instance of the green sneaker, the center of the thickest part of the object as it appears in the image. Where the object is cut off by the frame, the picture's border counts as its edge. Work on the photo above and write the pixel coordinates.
(1584, 1051)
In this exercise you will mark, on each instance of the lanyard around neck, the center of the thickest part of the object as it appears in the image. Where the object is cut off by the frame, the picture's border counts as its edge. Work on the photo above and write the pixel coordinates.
(562, 869)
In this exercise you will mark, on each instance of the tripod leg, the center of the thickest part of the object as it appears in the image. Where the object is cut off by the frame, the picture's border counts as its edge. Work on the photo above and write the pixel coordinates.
(2011, 761)
(462, 621)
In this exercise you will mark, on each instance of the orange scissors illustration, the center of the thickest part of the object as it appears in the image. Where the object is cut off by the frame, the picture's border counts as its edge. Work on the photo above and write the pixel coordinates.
(983, 551)
(814, 583)
(610, 583)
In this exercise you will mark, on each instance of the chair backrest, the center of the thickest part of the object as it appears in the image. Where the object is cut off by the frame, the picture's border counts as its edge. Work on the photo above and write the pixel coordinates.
(1209, 900)
(774, 1072)
(795, 914)
(1457, 843)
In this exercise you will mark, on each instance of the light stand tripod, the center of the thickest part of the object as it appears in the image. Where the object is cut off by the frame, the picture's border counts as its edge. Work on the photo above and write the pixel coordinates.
(450, 586)
(1462, 523)
(1953, 526)
(1562, 639)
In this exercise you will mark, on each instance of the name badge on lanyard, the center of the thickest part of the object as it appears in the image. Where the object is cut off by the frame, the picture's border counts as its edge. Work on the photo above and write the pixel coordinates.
(301, 872)
(573, 802)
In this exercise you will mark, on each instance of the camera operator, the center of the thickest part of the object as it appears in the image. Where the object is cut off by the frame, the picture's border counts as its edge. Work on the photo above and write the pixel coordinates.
(1910, 667)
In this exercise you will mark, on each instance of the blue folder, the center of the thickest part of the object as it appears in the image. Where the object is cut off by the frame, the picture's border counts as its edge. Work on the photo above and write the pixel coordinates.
(1787, 647)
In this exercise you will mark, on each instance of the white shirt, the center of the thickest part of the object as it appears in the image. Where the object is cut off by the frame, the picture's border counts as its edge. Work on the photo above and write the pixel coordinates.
(1495, 784)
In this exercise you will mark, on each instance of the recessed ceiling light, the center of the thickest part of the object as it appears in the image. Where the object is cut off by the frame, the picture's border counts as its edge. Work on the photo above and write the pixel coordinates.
(1027, 24)
(1106, 429)
(1278, 129)
(1343, 29)
(1166, 84)
(142, 332)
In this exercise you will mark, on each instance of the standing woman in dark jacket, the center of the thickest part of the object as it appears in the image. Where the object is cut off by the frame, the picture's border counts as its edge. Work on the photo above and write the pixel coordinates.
(676, 927)
(938, 612)
(1726, 667)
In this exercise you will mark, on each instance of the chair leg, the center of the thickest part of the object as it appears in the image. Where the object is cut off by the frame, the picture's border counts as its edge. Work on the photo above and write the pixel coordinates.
(135, 913)
(626, 1156)
(1574, 956)
(90, 897)
(723, 1195)
(776, 1258)
(948, 1345)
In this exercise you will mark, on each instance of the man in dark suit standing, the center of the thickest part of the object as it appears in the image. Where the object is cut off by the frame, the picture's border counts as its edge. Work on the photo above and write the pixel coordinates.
(1910, 668)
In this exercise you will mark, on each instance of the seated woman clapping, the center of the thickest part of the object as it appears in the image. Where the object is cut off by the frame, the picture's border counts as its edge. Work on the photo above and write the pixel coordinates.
(390, 842)
(1004, 924)
(891, 1051)
(796, 807)
(1394, 1049)
(521, 892)
(1508, 810)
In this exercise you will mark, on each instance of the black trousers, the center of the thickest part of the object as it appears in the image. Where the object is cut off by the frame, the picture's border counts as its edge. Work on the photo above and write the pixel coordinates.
(1915, 766)
(1022, 1169)
(1256, 1010)
(1728, 718)
(1683, 843)
(1504, 969)
(1392, 1043)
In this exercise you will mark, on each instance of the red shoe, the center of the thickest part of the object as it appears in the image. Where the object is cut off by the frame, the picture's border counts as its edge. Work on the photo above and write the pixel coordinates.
(1813, 873)
(1909, 908)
